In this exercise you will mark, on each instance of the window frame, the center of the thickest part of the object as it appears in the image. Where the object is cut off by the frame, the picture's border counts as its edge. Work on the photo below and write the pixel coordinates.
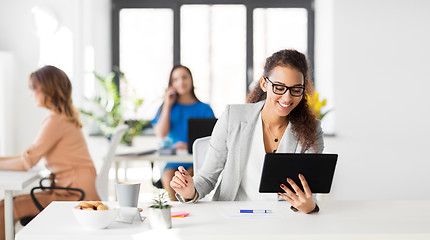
(250, 5)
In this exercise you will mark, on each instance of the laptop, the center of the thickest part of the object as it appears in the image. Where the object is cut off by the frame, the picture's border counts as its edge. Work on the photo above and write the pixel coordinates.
(198, 128)
(318, 169)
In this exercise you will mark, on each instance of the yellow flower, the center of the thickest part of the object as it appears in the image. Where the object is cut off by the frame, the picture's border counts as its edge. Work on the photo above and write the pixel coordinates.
(315, 105)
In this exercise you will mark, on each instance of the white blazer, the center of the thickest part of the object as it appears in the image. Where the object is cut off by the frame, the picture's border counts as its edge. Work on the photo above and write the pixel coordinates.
(229, 149)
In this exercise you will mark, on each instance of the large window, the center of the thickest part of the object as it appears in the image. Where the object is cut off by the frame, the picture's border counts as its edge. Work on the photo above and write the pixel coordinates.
(145, 54)
(213, 45)
(275, 29)
(224, 43)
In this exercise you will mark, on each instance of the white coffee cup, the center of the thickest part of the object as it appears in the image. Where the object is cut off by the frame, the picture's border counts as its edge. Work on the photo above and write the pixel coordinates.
(127, 194)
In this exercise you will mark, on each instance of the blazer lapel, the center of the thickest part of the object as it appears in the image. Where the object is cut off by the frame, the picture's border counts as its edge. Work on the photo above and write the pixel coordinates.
(246, 134)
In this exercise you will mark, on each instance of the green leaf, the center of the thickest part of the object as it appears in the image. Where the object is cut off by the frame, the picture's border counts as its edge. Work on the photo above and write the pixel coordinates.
(160, 201)
(106, 107)
(323, 115)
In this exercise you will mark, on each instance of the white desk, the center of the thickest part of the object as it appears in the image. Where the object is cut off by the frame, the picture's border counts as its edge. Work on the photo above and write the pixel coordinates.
(98, 148)
(151, 158)
(219, 220)
(13, 181)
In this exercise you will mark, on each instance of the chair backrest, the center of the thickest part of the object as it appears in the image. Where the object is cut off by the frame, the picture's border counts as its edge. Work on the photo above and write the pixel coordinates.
(102, 180)
(200, 148)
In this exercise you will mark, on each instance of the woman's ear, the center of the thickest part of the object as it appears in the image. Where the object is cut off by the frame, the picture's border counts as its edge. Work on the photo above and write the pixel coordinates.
(263, 84)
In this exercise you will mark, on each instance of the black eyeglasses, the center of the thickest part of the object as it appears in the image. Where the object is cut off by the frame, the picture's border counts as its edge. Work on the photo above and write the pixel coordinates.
(280, 89)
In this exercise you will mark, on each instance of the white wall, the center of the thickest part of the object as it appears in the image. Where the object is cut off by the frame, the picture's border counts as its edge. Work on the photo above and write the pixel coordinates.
(380, 69)
(6, 71)
(18, 38)
(89, 22)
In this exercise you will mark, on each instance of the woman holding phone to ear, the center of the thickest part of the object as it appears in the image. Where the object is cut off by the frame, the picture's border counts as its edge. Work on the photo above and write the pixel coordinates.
(276, 119)
(180, 104)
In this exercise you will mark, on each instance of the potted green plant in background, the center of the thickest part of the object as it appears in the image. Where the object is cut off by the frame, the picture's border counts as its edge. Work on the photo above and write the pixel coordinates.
(106, 108)
(159, 214)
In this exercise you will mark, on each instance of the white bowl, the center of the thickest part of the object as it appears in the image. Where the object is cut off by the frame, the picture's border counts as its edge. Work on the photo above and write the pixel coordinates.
(96, 219)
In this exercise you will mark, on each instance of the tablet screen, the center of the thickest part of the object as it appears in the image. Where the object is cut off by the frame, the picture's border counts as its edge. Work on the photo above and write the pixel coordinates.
(317, 168)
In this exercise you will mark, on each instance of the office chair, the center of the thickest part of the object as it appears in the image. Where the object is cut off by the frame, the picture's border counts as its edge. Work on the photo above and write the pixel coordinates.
(200, 149)
(102, 179)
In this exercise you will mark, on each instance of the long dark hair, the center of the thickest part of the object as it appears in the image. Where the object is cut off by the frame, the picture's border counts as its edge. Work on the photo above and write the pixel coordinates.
(171, 81)
(57, 89)
(191, 76)
(301, 117)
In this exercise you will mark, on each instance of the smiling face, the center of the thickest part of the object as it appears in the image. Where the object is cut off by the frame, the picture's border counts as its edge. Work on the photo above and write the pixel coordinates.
(282, 105)
(181, 81)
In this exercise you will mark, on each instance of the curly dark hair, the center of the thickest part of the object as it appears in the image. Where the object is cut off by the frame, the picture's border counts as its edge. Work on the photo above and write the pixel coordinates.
(302, 118)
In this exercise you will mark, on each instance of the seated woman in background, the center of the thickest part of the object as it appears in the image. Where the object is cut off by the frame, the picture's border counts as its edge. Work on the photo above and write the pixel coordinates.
(60, 141)
(180, 104)
(277, 119)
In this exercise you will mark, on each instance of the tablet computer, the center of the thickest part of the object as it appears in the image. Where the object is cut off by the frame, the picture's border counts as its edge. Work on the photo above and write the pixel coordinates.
(318, 169)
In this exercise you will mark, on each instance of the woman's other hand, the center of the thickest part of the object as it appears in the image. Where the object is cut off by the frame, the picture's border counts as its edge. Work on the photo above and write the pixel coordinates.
(180, 145)
(183, 183)
(302, 201)
(171, 96)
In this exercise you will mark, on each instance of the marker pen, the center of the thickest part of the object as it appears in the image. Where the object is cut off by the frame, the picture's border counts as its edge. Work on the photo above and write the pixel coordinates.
(254, 211)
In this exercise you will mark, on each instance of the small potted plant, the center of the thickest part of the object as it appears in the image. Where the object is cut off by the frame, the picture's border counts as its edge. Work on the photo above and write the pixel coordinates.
(159, 212)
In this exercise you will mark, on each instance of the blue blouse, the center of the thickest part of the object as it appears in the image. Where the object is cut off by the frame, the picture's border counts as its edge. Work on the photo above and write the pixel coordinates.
(179, 116)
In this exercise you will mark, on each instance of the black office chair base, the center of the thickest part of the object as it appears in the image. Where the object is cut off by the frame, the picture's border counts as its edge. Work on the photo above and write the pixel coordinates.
(26, 220)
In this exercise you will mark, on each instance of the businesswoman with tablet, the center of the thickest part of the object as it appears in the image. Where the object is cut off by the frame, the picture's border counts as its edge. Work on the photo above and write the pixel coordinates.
(276, 119)
(60, 141)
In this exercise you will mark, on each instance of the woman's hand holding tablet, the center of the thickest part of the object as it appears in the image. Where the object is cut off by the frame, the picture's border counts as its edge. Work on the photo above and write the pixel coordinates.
(300, 200)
